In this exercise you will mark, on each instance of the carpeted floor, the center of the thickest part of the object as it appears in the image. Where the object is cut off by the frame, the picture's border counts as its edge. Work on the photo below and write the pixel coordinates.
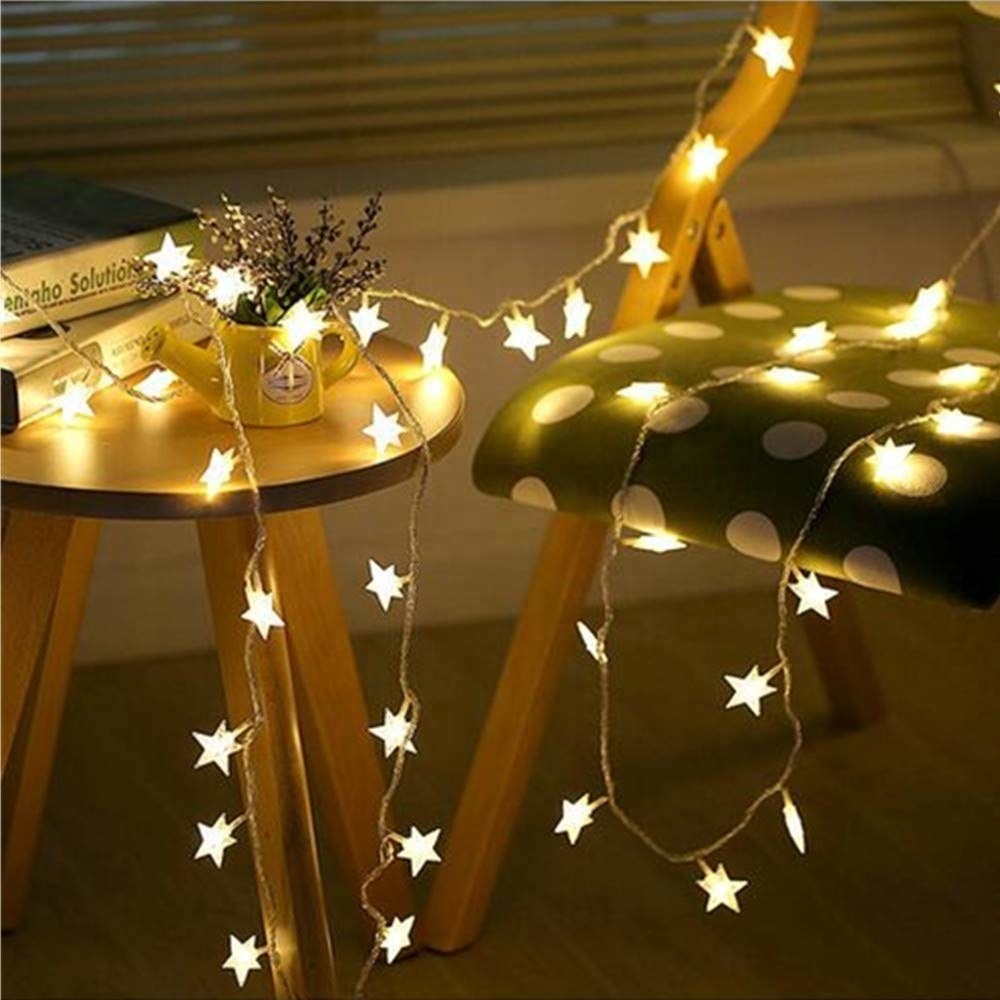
(899, 895)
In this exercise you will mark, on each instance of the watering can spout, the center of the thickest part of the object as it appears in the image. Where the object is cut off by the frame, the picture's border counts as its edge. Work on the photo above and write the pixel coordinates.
(198, 366)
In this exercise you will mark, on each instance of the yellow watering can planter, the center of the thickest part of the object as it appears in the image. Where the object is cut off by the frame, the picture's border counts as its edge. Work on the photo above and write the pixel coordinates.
(273, 385)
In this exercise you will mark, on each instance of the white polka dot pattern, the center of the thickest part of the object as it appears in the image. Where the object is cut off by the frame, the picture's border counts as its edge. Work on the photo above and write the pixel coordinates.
(752, 310)
(858, 400)
(755, 535)
(792, 439)
(856, 331)
(679, 415)
(871, 566)
(914, 378)
(620, 354)
(642, 510)
(972, 356)
(561, 404)
(532, 492)
(812, 293)
(924, 475)
(688, 330)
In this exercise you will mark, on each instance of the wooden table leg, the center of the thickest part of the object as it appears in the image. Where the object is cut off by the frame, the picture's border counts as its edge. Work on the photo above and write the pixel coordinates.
(342, 757)
(302, 955)
(495, 787)
(26, 779)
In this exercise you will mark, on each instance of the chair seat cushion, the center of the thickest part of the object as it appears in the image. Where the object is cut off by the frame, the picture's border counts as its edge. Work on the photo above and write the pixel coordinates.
(740, 465)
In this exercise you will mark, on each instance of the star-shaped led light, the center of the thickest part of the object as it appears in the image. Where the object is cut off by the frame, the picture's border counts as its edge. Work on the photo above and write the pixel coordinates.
(396, 937)
(721, 889)
(385, 429)
(219, 470)
(956, 423)
(216, 838)
(218, 747)
(577, 815)
(793, 821)
(260, 610)
(156, 383)
(228, 284)
(243, 957)
(704, 157)
(433, 346)
(889, 461)
(170, 259)
(418, 849)
(644, 249)
(576, 310)
(644, 392)
(660, 541)
(781, 375)
(812, 595)
(962, 376)
(774, 50)
(394, 732)
(74, 401)
(366, 321)
(808, 338)
(385, 583)
(928, 308)
(588, 639)
(301, 323)
(523, 335)
(750, 689)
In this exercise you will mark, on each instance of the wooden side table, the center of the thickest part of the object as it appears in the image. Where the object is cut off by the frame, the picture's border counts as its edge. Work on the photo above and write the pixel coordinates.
(139, 461)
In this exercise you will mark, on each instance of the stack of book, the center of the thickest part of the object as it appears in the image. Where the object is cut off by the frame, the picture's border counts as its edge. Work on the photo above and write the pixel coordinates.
(69, 246)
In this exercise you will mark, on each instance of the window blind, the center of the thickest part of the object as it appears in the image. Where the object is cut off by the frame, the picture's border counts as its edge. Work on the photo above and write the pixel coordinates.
(141, 86)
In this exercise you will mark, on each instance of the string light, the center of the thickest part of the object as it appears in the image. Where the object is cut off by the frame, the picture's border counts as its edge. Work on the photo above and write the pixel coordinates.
(889, 461)
(576, 311)
(218, 747)
(644, 392)
(750, 689)
(523, 335)
(812, 595)
(228, 284)
(156, 383)
(576, 815)
(790, 377)
(219, 470)
(704, 157)
(394, 732)
(367, 321)
(793, 821)
(432, 349)
(385, 583)
(216, 838)
(962, 376)
(774, 50)
(385, 430)
(588, 639)
(926, 311)
(302, 323)
(74, 401)
(170, 260)
(396, 938)
(260, 610)
(808, 338)
(418, 849)
(244, 957)
(955, 423)
(644, 250)
(659, 541)
(720, 888)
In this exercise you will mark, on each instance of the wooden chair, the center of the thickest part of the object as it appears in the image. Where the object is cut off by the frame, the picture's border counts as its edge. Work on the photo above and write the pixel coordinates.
(698, 231)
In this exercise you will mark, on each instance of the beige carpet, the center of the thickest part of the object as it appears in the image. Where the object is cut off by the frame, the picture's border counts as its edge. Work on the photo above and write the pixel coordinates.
(899, 895)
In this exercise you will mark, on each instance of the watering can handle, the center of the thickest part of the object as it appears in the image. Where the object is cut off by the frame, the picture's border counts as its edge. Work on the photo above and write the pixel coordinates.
(336, 368)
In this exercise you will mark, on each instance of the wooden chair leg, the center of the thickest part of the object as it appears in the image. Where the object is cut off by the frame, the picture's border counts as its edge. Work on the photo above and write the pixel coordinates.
(302, 955)
(844, 664)
(26, 780)
(495, 787)
(342, 757)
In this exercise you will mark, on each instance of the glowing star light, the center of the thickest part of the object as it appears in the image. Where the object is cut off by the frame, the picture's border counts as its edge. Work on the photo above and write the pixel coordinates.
(218, 747)
(523, 335)
(721, 889)
(219, 470)
(576, 309)
(434, 344)
(260, 611)
(366, 321)
(962, 376)
(156, 383)
(704, 158)
(808, 338)
(750, 689)
(418, 849)
(773, 49)
(301, 323)
(956, 423)
(644, 249)
(812, 595)
(889, 461)
(396, 937)
(644, 392)
(385, 583)
(577, 815)
(385, 430)
(588, 639)
(74, 401)
(793, 821)
(660, 541)
(216, 838)
(394, 732)
(924, 313)
(243, 957)
(228, 284)
(170, 259)
(780, 375)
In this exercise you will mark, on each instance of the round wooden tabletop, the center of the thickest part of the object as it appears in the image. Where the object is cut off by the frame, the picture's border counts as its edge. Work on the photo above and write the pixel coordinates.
(139, 461)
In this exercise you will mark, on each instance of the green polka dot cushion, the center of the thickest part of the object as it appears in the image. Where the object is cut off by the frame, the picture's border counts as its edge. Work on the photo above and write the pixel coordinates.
(740, 465)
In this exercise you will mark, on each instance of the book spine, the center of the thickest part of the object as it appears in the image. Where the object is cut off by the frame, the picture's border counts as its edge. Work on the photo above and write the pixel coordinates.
(82, 280)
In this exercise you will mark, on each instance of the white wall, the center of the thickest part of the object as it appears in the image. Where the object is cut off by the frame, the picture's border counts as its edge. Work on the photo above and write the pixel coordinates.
(877, 213)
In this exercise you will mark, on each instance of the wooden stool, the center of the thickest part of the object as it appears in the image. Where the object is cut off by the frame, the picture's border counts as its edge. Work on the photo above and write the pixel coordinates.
(138, 461)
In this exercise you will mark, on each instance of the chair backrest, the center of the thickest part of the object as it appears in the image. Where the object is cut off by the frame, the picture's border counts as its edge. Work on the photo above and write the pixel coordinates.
(689, 213)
